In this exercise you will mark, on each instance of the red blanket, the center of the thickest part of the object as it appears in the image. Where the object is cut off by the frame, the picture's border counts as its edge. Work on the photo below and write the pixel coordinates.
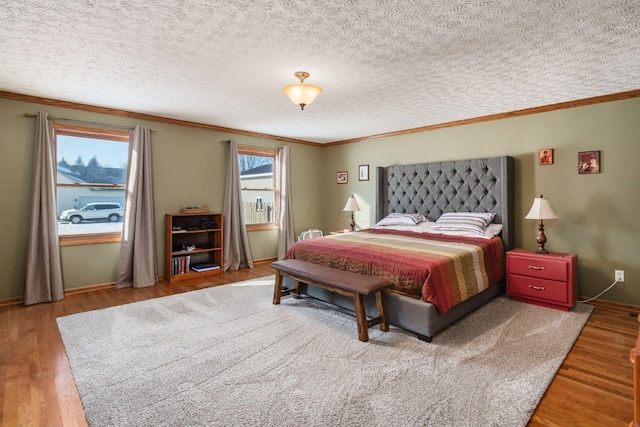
(442, 270)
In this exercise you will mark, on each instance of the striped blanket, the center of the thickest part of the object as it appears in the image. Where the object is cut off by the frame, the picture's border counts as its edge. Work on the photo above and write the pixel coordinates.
(442, 270)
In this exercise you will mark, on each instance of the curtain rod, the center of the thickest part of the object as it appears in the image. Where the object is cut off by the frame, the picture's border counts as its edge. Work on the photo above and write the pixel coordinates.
(30, 115)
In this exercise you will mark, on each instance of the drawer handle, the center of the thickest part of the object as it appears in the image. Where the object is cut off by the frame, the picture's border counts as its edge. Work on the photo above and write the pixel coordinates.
(534, 267)
(537, 288)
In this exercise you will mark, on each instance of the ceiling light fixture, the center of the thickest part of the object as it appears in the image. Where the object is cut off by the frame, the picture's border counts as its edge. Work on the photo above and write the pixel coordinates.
(301, 93)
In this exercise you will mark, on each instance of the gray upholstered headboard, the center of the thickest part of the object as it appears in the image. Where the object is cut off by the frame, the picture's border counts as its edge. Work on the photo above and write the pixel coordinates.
(478, 185)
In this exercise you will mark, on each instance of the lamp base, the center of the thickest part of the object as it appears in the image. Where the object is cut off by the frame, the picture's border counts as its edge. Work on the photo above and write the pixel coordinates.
(541, 239)
(353, 223)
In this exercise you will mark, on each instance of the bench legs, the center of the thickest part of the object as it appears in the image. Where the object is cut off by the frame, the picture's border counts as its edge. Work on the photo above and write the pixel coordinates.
(358, 299)
(361, 316)
(277, 288)
(382, 312)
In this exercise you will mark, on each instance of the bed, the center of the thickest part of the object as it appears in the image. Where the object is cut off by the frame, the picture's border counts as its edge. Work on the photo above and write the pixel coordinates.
(429, 189)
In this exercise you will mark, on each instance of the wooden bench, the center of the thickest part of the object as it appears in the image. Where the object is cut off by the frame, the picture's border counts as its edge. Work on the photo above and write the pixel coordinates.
(338, 281)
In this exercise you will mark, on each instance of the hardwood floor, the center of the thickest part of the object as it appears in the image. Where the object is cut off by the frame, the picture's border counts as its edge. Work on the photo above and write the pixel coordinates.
(594, 386)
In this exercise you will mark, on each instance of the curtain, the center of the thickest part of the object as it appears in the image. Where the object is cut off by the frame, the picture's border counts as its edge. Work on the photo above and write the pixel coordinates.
(137, 265)
(43, 278)
(237, 253)
(285, 230)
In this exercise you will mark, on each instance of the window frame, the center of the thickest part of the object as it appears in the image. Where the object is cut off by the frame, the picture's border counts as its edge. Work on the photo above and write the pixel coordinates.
(275, 155)
(95, 133)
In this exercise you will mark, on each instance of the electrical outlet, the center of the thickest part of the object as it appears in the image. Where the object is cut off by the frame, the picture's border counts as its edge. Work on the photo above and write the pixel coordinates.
(619, 276)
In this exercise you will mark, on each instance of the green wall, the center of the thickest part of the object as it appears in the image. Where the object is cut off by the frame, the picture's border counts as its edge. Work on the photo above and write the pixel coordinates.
(598, 213)
(189, 169)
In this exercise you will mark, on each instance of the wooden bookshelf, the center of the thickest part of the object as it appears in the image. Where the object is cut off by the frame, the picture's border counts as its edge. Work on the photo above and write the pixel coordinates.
(192, 240)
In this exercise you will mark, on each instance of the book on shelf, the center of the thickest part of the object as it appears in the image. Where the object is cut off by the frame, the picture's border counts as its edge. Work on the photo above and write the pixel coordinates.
(180, 265)
(204, 267)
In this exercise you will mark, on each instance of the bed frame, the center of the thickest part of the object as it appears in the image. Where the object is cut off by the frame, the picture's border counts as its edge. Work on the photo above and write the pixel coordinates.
(478, 185)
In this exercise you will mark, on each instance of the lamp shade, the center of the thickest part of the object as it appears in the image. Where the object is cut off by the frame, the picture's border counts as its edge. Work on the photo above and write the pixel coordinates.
(352, 205)
(541, 209)
(302, 94)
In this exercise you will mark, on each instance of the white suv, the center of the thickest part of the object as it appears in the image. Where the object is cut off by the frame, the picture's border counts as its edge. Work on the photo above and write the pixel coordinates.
(102, 210)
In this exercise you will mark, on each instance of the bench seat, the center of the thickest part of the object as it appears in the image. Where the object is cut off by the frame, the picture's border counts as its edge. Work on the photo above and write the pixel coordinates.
(342, 282)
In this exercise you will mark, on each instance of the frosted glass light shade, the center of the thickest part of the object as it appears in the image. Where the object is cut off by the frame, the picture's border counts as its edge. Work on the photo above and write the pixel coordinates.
(541, 209)
(302, 94)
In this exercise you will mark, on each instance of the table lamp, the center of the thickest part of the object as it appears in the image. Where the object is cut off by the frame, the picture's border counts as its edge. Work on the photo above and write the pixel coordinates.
(541, 209)
(352, 206)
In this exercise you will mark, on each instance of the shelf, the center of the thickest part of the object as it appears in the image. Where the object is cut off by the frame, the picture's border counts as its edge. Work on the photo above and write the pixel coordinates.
(194, 275)
(195, 251)
(208, 243)
(209, 230)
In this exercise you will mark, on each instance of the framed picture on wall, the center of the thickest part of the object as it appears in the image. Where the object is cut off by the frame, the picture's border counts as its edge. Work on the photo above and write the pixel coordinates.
(363, 173)
(589, 162)
(546, 156)
(342, 177)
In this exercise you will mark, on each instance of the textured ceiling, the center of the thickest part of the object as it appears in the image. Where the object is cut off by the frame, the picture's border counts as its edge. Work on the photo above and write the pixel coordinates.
(384, 66)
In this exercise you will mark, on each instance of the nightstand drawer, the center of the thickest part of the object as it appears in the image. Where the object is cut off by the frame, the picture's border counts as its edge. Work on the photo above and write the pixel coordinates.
(532, 287)
(542, 267)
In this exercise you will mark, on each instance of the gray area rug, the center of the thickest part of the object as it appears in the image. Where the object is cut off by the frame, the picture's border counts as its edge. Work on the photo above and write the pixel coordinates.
(226, 356)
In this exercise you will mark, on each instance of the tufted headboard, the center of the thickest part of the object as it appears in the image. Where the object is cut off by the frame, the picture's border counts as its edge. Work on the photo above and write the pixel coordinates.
(478, 185)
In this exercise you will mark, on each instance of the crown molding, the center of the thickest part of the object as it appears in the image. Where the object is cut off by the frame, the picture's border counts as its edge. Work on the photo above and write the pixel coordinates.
(130, 114)
(141, 116)
(518, 113)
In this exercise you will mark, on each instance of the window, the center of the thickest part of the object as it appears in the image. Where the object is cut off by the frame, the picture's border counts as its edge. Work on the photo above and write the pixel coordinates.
(90, 184)
(258, 179)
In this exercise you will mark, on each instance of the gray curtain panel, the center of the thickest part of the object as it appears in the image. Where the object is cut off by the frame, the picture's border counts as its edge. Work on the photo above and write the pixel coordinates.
(285, 230)
(137, 266)
(237, 253)
(43, 278)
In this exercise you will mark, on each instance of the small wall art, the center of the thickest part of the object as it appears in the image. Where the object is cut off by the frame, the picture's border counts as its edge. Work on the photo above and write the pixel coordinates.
(589, 162)
(363, 173)
(546, 156)
(342, 177)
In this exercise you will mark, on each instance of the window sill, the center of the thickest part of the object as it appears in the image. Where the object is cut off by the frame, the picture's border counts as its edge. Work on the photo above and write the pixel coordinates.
(90, 239)
(261, 227)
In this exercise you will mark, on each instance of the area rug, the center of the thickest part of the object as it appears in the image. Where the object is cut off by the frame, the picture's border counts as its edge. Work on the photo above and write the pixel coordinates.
(226, 356)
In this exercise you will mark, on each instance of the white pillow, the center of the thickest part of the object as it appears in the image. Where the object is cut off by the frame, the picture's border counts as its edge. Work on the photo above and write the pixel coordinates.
(401, 219)
(491, 231)
(474, 223)
(425, 227)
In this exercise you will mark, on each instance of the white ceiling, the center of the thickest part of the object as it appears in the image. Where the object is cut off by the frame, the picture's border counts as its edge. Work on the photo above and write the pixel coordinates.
(384, 65)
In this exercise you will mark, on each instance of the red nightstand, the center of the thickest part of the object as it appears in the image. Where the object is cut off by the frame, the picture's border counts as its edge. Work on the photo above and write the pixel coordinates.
(550, 280)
